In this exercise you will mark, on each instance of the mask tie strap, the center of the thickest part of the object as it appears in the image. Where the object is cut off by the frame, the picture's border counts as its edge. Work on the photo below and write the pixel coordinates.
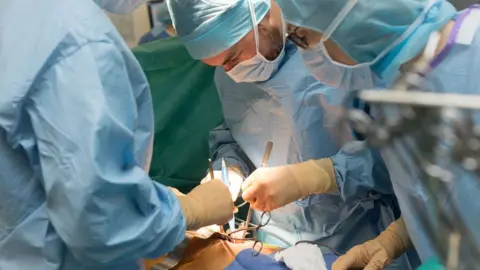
(338, 19)
(254, 21)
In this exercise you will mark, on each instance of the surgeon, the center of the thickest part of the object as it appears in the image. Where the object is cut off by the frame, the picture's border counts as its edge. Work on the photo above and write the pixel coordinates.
(120, 6)
(163, 16)
(163, 30)
(267, 93)
(76, 133)
(354, 40)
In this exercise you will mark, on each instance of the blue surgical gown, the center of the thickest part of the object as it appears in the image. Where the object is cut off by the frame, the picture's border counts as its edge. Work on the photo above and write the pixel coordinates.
(76, 127)
(457, 73)
(299, 115)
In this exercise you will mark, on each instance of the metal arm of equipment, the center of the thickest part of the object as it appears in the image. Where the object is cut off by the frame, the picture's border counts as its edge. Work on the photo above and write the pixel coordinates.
(448, 138)
(420, 98)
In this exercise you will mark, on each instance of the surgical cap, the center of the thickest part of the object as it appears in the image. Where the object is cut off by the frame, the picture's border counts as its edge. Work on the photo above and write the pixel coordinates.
(371, 26)
(163, 15)
(209, 27)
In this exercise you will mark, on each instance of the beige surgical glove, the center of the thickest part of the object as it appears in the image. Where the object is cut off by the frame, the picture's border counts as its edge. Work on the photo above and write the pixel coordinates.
(176, 192)
(207, 204)
(234, 177)
(270, 188)
(378, 253)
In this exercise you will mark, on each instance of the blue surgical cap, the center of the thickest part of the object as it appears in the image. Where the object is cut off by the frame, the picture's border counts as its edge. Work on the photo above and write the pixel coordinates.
(372, 25)
(163, 15)
(209, 27)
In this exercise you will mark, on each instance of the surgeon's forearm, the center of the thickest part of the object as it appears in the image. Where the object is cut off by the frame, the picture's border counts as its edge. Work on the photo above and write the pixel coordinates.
(150, 224)
(360, 170)
(103, 205)
(223, 145)
(396, 239)
(235, 165)
(120, 217)
(314, 177)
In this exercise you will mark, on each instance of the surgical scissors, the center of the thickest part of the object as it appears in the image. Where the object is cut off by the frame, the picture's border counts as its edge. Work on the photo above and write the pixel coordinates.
(255, 235)
(266, 157)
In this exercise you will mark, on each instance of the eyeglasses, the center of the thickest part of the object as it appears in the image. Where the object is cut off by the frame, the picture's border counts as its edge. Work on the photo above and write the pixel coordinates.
(294, 37)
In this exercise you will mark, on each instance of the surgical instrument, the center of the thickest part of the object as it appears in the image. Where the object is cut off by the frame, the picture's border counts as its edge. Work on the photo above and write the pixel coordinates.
(225, 178)
(257, 230)
(226, 181)
(266, 157)
(210, 169)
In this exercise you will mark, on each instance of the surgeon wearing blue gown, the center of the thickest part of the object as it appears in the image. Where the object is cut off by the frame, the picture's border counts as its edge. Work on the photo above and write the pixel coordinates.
(161, 31)
(76, 132)
(357, 39)
(267, 93)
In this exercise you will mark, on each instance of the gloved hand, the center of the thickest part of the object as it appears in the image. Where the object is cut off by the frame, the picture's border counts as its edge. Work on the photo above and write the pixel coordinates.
(270, 188)
(234, 177)
(378, 253)
(207, 204)
(176, 192)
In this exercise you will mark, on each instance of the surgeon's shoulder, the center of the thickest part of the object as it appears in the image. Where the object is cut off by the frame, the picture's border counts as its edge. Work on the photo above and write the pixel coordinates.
(36, 35)
(51, 26)
(86, 22)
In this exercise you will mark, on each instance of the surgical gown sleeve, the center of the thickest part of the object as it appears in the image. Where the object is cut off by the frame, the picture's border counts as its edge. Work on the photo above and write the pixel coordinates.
(86, 116)
(223, 145)
(359, 171)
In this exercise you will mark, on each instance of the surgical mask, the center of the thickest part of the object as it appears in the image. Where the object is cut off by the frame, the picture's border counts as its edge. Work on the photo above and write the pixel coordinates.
(119, 6)
(355, 77)
(257, 68)
(337, 75)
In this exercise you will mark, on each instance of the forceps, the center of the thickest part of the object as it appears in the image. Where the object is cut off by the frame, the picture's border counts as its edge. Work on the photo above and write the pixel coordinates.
(266, 157)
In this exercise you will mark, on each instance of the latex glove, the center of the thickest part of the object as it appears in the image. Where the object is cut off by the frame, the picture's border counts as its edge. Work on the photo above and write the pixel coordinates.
(270, 188)
(378, 253)
(176, 192)
(207, 204)
(235, 179)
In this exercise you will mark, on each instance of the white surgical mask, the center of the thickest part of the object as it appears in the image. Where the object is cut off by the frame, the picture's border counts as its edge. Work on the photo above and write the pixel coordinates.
(337, 75)
(257, 68)
(341, 76)
(334, 74)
